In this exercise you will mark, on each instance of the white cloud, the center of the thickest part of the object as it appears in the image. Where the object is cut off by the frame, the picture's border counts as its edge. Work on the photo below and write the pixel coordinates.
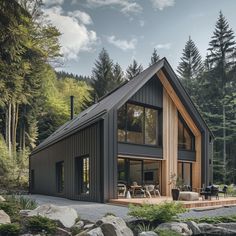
(83, 17)
(53, 2)
(75, 36)
(122, 44)
(163, 46)
(161, 4)
(141, 23)
(125, 6)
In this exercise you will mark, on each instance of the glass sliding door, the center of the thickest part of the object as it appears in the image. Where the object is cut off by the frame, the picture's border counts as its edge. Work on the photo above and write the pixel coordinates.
(185, 173)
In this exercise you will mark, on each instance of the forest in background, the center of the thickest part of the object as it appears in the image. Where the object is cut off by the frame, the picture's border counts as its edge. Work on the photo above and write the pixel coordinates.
(34, 98)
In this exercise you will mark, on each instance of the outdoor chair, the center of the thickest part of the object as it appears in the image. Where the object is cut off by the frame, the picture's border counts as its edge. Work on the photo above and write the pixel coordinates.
(121, 189)
(224, 190)
(151, 189)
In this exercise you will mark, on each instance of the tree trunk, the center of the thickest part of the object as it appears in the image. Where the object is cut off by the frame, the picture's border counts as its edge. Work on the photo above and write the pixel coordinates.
(224, 144)
(9, 128)
(13, 127)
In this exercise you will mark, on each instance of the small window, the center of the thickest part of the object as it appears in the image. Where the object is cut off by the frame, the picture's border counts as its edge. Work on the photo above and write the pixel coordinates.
(32, 180)
(60, 176)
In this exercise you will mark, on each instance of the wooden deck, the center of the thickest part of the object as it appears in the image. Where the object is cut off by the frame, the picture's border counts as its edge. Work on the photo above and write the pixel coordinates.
(227, 201)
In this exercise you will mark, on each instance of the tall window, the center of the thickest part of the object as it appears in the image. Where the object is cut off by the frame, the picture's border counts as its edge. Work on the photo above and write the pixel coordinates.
(82, 174)
(186, 139)
(185, 172)
(139, 124)
(60, 176)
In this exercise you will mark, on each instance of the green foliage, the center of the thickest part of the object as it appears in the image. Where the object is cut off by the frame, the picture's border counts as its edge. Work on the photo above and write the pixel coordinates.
(10, 229)
(155, 57)
(166, 232)
(75, 231)
(144, 227)
(213, 220)
(133, 70)
(24, 202)
(37, 224)
(160, 213)
(14, 204)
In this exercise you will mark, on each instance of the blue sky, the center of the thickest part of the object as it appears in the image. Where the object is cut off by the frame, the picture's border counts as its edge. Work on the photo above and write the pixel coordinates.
(130, 29)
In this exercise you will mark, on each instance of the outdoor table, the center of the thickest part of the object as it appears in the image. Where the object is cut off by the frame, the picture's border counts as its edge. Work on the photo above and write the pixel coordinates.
(135, 188)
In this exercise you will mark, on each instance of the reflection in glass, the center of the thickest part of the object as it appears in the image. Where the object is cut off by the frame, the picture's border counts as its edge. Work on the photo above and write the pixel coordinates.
(150, 126)
(121, 123)
(185, 136)
(134, 124)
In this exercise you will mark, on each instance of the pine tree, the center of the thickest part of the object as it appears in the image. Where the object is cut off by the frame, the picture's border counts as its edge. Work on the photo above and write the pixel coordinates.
(222, 116)
(155, 57)
(190, 68)
(133, 70)
(118, 75)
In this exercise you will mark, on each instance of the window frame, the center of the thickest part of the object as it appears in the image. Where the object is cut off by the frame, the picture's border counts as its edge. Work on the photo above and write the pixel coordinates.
(185, 126)
(60, 176)
(159, 124)
(79, 173)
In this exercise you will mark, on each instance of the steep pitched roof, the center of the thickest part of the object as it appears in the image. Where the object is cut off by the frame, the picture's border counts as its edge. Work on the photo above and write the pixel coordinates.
(115, 98)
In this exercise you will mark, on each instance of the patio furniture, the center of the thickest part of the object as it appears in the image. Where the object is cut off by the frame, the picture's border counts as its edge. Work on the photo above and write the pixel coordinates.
(121, 189)
(210, 191)
(151, 189)
(136, 188)
(188, 196)
(224, 190)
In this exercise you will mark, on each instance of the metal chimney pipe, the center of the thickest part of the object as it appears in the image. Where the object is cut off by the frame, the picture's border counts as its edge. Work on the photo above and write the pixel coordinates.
(71, 107)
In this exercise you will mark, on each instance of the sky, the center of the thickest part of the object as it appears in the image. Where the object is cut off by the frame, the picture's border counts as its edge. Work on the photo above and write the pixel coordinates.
(131, 29)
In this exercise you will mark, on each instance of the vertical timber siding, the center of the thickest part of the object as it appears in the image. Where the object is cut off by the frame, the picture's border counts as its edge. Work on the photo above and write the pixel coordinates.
(84, 142)
(150, 93)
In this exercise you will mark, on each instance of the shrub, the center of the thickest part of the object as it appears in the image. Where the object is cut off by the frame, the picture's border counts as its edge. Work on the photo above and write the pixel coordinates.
(166, 232)
(159, 213)
(144, 227)
(23, 202)
(9, 229)
(12, 209)
(37, 224)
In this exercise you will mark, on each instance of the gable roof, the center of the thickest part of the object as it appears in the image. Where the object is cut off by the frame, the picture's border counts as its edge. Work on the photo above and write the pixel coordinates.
(116, 98)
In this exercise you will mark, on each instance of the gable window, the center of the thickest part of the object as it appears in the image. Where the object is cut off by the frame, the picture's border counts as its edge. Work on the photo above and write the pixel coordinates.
(186, 140)
(139, 124)
(60, 176)
(82, 173)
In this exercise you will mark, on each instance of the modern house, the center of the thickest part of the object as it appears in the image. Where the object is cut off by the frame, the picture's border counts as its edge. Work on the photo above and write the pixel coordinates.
(143, 131)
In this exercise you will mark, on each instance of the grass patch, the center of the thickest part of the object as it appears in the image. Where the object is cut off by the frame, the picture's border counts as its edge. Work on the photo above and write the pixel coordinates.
(213, 220)
(158, 213)
(166, 232)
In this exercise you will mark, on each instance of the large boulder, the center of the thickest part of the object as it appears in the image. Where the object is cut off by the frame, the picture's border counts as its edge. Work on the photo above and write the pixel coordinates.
(95, 232)
(2, 199)
(147, 233)
(231, 226)
(65, 215)
(115, 226)
(208, 229)
(4, 218)
(181, 228)
(194, 227)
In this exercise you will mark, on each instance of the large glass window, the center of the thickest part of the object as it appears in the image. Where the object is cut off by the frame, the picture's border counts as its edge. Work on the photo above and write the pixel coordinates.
(138, 124)
(185, 137)
(185, 173)
(60, 176)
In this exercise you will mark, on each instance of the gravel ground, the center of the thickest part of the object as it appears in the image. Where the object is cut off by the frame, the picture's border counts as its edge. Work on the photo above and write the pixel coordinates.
(94, 211)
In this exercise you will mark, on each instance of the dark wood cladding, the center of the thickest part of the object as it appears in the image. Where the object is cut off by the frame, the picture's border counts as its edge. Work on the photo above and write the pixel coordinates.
(85, 142)
(186, 155)
(150, 93)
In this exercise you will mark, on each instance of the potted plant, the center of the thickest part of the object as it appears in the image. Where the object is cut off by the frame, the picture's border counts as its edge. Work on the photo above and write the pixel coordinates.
(176, 184)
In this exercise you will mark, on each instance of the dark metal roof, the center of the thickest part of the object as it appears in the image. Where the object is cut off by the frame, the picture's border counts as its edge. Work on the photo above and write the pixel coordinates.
(116, 98)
